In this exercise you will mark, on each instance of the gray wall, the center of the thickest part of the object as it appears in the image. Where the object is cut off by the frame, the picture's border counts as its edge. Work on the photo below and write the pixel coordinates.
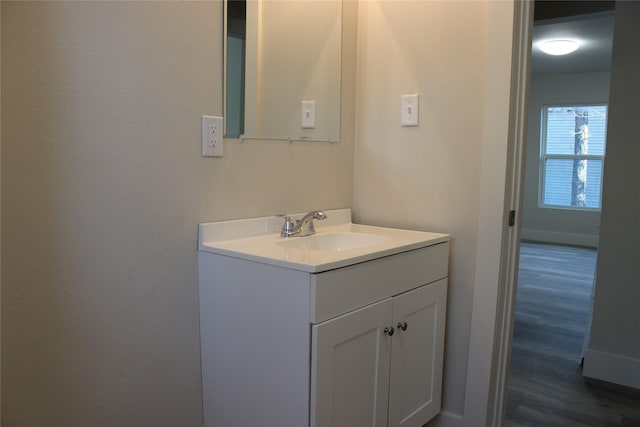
(614, 351)
(549, 224)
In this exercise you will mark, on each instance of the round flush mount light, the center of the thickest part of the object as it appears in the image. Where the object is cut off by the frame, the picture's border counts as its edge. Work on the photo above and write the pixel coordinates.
(558, 47)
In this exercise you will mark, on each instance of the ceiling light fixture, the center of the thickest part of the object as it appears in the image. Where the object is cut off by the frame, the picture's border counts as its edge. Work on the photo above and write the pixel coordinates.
(558, 47)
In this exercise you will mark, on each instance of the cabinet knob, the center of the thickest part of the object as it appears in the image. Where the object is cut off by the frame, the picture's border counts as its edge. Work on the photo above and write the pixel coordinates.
(389, 331)
(402, 325)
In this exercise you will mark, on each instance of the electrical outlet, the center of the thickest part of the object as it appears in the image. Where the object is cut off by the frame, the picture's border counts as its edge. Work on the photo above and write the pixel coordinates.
(212, 136)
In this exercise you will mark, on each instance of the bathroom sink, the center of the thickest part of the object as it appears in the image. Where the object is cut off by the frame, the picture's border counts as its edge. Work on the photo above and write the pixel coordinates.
(333, 241)
(336, 243)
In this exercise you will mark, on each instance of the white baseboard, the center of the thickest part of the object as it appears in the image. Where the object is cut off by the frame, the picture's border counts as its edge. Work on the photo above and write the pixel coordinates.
(612, 368)
(446, 419)
(576, 239)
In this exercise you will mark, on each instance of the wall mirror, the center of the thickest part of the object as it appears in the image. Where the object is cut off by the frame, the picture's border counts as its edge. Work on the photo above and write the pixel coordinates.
(282, 69)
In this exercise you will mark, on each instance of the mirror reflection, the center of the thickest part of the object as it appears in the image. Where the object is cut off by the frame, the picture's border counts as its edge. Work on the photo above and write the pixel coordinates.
(282, 73)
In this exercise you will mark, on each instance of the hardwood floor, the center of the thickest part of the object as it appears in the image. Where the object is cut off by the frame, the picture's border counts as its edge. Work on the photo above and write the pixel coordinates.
(546, 388)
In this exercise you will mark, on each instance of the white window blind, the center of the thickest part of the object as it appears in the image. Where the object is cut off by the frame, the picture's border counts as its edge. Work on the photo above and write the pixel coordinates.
(572, 155)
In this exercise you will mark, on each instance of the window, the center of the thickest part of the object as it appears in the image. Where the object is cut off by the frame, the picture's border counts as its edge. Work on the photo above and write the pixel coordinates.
(572, 148)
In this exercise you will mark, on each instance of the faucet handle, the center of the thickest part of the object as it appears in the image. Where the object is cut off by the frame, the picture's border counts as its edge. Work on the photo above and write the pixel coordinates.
(288, 227)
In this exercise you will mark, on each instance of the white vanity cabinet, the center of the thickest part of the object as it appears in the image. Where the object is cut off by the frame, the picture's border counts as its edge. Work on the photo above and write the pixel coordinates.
(303, 343)
(380, 365)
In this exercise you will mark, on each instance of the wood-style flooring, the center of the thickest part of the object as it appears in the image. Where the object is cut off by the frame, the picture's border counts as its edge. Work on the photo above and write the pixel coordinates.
(546, 387)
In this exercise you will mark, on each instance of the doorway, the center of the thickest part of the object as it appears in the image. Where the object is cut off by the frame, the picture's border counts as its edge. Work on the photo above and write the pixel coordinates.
(556, 276)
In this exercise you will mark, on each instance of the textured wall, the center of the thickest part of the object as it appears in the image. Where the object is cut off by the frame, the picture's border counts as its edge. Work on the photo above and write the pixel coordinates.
(426, 177)
(102, 190)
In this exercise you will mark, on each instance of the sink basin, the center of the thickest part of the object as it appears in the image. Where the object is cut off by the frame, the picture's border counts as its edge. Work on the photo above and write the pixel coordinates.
(337, 242)
(333, 241)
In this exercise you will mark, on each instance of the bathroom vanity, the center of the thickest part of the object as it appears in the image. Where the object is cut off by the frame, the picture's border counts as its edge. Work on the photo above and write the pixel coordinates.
(341, 328)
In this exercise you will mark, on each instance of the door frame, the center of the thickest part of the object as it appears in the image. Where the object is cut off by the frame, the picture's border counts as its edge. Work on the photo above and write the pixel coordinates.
(498, 243)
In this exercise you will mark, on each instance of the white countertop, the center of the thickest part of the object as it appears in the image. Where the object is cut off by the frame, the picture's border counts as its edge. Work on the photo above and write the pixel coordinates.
(258, 239)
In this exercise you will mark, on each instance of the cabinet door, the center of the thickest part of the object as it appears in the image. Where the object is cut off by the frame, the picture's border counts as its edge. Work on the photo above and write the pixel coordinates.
(350, 368)
(416, 366)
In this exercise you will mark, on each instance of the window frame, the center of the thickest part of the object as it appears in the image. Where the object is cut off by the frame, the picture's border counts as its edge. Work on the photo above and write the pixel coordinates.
(542, 160)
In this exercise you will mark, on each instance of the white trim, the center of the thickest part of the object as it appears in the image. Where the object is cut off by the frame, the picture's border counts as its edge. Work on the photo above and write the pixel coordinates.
(612, 368)
(447, 419)
(497, 244)
(561, 237)
(514, 189)
(571, 208)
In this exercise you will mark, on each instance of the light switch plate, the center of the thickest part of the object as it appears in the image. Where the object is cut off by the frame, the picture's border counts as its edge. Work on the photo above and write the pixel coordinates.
(212, 136)
(308, 114)
(409, 110)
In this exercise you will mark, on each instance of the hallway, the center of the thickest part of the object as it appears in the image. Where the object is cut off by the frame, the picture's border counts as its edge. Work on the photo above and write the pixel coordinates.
(546, 387)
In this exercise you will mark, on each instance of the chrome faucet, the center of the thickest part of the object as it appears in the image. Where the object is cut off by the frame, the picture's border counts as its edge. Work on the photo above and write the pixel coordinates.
(301, 227)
